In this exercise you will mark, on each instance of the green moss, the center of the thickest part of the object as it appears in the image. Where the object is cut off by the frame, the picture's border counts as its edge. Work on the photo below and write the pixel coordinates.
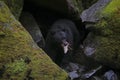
(109, 40)
(15, 6)
(16, 70)
(2, 34)
(112, 7)
(17, 66)
(20, 56)
(78, 5)
(53, 72)
(108, 52)
(2, 16)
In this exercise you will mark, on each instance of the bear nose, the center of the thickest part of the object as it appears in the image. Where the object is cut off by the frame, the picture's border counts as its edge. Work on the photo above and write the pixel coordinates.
(65, 43)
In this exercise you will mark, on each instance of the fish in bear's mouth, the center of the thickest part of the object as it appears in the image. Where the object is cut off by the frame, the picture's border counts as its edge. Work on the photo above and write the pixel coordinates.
(66, 46)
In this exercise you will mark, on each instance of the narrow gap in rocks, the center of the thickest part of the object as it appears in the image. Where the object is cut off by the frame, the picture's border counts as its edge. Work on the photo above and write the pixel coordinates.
(45, 17)
(42, 15)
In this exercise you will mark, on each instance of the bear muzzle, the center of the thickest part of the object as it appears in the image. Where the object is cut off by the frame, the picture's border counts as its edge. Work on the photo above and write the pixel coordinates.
(66, 46)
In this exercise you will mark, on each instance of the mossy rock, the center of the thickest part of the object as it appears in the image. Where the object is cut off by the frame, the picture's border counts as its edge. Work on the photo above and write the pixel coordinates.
(20, 57)
(30, 24)
(92, 14)
(104, 39)
(15, 6)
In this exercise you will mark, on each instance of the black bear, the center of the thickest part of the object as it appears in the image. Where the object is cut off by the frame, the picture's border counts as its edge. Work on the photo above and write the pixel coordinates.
(62, 38)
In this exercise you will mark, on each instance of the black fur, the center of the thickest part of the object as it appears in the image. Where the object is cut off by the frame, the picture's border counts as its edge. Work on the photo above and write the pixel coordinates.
(62, 29)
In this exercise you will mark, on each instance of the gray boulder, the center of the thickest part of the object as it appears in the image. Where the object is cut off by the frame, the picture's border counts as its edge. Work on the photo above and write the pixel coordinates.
(102, 43)
(32, 27)
(92, 14)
